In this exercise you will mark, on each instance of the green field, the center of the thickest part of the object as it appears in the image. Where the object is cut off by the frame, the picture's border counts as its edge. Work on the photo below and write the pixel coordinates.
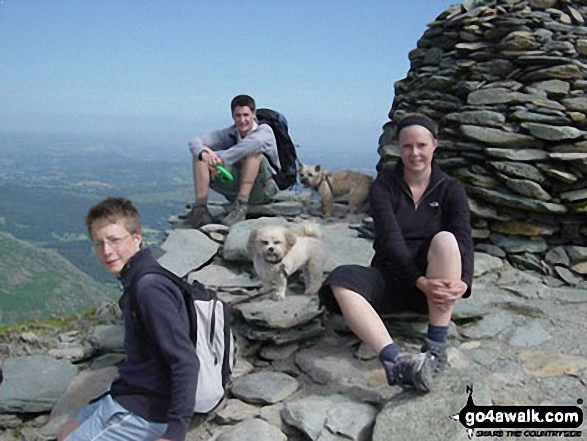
(37, 283)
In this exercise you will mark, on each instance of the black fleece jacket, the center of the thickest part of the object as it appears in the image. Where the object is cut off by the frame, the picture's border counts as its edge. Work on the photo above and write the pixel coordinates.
(401, 227)
(159, 378)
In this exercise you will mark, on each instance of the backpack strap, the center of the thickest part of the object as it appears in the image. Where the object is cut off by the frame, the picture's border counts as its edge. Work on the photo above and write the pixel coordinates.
(178, 281)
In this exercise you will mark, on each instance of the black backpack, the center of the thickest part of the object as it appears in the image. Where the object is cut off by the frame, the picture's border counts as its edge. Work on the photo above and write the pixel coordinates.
(286, 176)
(210, 333)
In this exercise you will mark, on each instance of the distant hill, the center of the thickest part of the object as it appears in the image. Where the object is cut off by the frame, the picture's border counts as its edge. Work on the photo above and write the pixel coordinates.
(36, 283)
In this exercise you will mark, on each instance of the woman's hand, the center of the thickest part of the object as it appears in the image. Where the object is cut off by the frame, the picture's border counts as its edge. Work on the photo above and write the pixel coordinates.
(441, 292)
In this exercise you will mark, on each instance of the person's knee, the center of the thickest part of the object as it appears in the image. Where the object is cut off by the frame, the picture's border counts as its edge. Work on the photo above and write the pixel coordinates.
(444, 245)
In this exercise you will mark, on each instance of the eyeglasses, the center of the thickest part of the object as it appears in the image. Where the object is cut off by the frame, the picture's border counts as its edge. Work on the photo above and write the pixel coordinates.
(112, 242)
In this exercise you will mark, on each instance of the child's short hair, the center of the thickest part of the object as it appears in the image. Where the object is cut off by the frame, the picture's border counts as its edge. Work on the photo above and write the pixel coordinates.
(242, 101)
(114, 210)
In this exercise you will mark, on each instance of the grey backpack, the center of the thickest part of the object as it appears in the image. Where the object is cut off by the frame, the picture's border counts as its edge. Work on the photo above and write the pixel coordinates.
(211, 335)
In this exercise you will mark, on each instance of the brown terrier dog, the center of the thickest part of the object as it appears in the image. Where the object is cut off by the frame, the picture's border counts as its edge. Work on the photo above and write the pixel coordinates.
(331, 185)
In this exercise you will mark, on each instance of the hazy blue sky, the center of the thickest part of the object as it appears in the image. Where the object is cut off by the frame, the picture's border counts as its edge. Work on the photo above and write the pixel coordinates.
(168, 69)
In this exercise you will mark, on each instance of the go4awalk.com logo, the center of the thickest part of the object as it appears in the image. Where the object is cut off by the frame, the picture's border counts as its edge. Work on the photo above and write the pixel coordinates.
(518, 421)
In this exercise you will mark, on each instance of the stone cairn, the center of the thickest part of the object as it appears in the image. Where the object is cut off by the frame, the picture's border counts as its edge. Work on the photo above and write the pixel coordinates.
(507, 82)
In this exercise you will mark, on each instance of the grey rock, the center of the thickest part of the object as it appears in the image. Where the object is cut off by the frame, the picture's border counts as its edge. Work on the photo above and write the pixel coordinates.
(558, 174)
(235, 411)
(294, 311)
(466, 310)
(281, 337)
(396, 420)
(557, 256)
(490, 327)
(34, 383)
(531, 334)
(554, 87)
(499, 138)
(577, 254)
(517, 202)
(186, 250)
(284, 208)
(526, 115)
(526, 188)
(513, 244)
(517, 154)
(575, 195)
(486, 118)
(530, 262)
(108, 338)
(85, 386)
(485, 263)
(344, 246)
(320, 416)
(264, 387)
(578, 104)
(570, 295)
(522, 284)
(325, 365)
(562, 72)
(252, 430)
(518, 170)
(567, 275)
(282, 352)
(552, 133)
(490, 249)
(219, 275)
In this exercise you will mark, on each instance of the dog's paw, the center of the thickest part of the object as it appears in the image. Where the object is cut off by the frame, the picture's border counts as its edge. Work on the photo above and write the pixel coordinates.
(279, 296)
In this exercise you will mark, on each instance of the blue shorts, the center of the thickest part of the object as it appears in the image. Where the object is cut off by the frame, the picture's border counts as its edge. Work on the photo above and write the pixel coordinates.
(106, 420)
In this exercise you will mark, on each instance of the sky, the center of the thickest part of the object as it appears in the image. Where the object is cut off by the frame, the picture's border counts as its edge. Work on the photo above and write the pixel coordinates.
(166, 70)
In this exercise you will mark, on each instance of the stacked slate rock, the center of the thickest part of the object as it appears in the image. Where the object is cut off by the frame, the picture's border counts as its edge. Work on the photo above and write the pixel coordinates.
(507, 82)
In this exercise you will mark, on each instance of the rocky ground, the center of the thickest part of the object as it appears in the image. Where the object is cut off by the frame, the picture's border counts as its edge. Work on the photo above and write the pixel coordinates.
(300, 374)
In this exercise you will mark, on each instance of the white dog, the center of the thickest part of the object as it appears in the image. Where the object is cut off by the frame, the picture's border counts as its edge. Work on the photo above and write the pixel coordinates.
(278, 252)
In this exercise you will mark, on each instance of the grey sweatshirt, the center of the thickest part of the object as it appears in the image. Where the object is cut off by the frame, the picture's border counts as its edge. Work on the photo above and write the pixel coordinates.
(231, 147)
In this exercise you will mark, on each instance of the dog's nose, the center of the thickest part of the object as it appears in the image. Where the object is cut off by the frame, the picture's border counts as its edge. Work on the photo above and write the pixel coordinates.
(270, 249)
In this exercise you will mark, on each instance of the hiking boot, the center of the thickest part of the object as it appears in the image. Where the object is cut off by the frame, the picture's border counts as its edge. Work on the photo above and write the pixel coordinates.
(437, 353)
(199, 216)
(238, 213)
(410, 371)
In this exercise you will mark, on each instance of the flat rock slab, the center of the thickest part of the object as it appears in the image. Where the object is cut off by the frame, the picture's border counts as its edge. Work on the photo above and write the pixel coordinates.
(264, 387)
(85, 386)
(218, 275)
(236, 411)
(108, 338)
(414, 416)
(491, 326)
(319, 417)
(345, 247)
(252, 430)
(485, 263)
(186, 250)
(294, 311)
(545, 365)
(34, 383)
(531, 334)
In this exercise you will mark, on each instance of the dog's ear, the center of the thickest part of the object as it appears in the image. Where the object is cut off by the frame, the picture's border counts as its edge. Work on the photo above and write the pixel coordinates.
(300, 166)
(290, 238)
(317, 168)
(252, 243)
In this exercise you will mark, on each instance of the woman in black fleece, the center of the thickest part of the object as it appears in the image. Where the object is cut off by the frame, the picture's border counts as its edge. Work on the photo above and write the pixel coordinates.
(423, 258)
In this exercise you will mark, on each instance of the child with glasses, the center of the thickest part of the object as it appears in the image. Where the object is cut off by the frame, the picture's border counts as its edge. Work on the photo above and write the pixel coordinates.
(153, 396)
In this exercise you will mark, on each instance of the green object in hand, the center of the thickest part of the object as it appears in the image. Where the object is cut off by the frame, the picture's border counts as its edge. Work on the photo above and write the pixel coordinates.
(224, 174)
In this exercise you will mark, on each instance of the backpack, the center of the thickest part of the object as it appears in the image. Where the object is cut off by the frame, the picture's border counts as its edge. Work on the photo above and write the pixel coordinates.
(210, 333)
(286, 176)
